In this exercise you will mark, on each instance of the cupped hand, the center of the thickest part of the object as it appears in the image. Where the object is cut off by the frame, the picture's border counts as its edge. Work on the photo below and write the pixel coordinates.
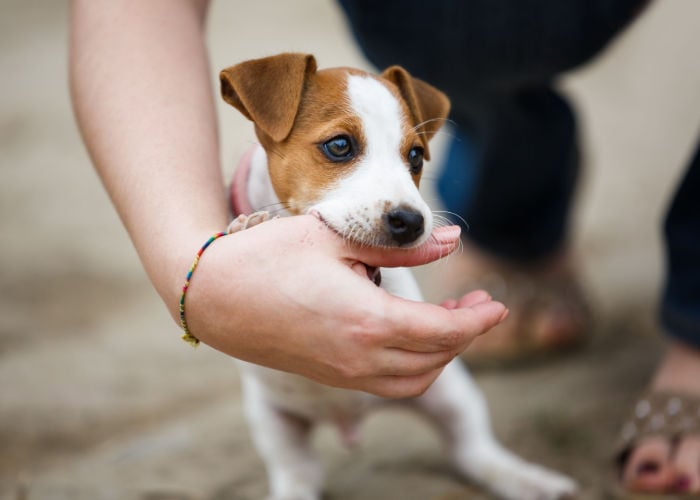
(286, 294)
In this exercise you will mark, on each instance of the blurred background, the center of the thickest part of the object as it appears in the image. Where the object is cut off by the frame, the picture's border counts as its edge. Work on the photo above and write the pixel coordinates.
(100, 399)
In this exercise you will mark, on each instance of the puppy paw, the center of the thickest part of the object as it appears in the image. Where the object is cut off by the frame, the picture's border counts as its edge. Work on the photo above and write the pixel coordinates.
(244, 221)
(532, 482)
(511, 478)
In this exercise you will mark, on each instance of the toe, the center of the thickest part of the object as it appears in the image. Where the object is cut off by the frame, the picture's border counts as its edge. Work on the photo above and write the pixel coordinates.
(686, 466)
(648, 468)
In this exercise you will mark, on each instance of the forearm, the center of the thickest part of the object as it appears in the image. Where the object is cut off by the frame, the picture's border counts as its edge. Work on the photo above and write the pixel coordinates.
(142, 94)
(143, 98)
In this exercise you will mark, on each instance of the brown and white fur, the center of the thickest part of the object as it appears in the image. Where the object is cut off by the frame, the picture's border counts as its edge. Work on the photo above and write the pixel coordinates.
(369, 194)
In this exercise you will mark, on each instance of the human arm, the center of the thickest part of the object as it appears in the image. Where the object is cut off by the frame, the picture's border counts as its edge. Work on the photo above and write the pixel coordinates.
(282, 294)
(142, 95)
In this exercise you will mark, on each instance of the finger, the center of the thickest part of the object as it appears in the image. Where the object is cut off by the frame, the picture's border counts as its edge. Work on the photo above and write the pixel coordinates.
(400, 387)
(469, 300)
(449, 304)
(423, 327)
(473, 298)
(442, 242)
(401, 363)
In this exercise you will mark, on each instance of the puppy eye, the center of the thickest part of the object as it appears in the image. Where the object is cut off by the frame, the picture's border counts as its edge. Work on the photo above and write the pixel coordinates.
(339, 148)
(415, 160)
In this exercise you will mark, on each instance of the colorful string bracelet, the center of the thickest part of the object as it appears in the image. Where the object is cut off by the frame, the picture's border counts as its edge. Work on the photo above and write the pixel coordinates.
(187, 336)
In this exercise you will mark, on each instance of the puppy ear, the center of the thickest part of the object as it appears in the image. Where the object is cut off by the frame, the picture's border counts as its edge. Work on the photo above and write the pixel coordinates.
(428, 105)
(268, 90)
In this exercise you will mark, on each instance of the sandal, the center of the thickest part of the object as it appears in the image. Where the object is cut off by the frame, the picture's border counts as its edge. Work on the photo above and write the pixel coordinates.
(665, 414)
(549, 313)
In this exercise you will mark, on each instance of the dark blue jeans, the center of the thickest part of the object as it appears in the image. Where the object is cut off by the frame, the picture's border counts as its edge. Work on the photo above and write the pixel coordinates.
(512, 169)
(680, 307)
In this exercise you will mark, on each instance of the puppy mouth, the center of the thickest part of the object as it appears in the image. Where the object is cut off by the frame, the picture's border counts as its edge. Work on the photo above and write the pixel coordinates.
(373, 273)
(377, 237)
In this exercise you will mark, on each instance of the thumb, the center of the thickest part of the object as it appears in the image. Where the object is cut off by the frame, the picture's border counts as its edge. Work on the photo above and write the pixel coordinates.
(442, 242)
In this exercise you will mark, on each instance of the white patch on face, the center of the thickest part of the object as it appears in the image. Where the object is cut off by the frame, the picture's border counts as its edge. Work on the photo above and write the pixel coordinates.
(357, 205)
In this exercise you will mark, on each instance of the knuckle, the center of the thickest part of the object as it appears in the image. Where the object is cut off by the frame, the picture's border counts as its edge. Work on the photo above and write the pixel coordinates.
(365, 338)
(347, 369)
(453, 337)
(354, 368)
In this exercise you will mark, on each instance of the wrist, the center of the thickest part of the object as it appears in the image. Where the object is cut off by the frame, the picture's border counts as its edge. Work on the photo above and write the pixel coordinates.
(168, 264)
(187, 334)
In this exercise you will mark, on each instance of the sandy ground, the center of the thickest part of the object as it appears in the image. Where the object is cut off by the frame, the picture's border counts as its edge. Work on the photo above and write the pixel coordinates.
(100, 400)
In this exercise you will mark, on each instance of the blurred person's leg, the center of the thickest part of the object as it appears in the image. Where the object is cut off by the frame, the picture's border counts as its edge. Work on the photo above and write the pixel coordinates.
(496, 60)
(520, 172)
(668, 458)
(512, 168)
(680, 308)
(524, 165)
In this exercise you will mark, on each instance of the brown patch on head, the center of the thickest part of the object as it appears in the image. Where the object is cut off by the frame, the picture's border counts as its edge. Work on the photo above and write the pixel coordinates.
(300, 172)
(414, 134)
(412, 137)
(428, 107)
(268, 91)
(297, 109)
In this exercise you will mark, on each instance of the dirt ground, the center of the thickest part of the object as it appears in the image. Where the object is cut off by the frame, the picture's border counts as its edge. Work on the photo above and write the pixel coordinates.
(100, 399)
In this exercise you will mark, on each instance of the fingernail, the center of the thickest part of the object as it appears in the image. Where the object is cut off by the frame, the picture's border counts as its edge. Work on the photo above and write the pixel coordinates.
(647, 467)
(504, 315)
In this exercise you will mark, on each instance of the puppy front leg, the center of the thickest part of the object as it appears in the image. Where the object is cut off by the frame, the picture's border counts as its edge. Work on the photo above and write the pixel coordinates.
(456, 405)
(282, 440)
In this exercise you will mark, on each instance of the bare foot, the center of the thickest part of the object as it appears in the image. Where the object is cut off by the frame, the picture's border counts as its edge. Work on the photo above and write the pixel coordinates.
(663, 465)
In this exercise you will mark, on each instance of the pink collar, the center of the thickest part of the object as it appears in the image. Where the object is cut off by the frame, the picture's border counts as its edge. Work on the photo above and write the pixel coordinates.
(238, 193)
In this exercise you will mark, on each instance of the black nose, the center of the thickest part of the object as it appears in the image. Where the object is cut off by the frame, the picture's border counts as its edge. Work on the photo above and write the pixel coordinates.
(404, 226)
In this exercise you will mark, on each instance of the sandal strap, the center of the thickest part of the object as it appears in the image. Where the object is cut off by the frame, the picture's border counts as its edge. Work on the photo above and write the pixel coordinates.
(660, 413)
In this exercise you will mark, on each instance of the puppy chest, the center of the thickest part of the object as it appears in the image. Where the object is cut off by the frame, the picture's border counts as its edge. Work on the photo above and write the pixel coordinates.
(314, 401)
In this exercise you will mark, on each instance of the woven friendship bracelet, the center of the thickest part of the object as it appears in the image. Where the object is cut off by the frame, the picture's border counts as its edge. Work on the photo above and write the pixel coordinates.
(187, 336)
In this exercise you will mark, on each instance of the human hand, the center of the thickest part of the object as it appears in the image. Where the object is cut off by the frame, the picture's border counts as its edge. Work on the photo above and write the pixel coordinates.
(286, 294)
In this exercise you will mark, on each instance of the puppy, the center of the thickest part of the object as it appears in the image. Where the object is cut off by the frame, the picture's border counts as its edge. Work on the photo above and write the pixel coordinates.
(349, 147)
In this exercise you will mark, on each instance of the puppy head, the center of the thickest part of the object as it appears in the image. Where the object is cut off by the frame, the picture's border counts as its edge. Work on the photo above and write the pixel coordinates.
(343, 143)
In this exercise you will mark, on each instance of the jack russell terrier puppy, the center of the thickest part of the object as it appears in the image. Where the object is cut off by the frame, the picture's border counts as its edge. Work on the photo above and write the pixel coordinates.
(349, 147)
